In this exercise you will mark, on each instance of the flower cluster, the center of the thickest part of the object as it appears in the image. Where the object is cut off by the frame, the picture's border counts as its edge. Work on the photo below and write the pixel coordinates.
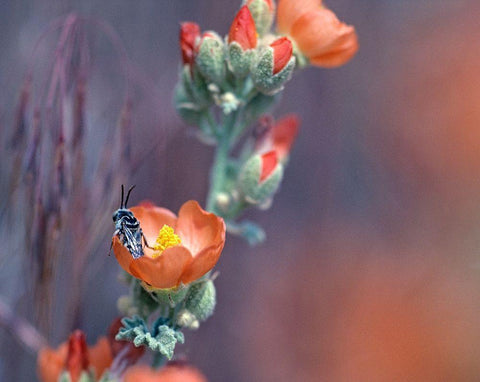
(228, 84)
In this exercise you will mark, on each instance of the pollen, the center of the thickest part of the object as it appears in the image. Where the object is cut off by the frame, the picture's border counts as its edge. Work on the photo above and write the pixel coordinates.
(166, 238)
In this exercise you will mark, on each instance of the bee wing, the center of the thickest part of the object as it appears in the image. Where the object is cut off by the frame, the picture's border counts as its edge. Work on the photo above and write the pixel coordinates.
(133, 242)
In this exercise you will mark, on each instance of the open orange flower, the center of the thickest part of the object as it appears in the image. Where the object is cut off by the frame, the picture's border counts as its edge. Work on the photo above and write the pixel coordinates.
(318, 33)
(74, 356)
(169, 373)
(185, 247)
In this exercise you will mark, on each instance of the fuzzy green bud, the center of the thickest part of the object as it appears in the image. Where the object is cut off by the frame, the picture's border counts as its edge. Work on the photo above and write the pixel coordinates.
(263, 12)
(274, 67)
(240, 60)
(260, 178)
(210, 59)
(201, 300)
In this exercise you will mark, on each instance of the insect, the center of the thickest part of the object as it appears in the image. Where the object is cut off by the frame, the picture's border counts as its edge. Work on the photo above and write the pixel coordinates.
(127, 228)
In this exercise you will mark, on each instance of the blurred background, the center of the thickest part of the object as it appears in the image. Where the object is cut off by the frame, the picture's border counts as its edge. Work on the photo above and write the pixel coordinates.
(371, 269)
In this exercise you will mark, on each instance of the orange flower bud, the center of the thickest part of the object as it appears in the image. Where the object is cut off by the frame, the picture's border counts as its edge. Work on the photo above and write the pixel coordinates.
(269, 163)
(243, 29)
(77, 356)
(282, 52)
(188, 34)
(279, 137)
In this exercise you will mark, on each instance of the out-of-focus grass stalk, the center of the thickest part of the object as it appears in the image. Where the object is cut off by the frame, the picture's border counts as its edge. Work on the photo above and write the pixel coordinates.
(64, 212)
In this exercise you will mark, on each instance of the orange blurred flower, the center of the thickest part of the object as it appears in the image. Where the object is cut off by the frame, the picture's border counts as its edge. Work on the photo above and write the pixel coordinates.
(318, 33)
(186, 247)
(75, 357)
(170, 373)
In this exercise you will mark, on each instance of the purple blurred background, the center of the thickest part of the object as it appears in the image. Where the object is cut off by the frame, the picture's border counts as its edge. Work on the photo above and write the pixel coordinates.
(371, 267)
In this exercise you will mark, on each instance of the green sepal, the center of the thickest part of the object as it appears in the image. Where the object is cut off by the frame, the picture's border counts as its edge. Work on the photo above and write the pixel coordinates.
(240, 60)
(162, 338)
(195, 87)
(139, 302)
(187, 109)
(262, 15)
(169, 297)
(263, 77)
(210, 59)
(201, 300)
(85, 376)
(254, 191)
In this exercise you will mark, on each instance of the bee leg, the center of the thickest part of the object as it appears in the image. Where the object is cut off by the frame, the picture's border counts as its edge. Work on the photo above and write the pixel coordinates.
(145, 241)
(111, 245)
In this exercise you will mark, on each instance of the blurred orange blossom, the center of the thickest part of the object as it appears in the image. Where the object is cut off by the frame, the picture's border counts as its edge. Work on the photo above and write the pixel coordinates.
(74, 356)
(317, 32)
(169, 373)
(187, 247)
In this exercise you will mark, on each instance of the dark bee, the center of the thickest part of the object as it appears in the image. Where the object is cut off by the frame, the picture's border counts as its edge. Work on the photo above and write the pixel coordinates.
(127, 228)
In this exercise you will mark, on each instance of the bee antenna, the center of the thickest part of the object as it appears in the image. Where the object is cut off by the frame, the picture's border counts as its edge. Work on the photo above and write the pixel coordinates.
(128, 195)
(121, 201)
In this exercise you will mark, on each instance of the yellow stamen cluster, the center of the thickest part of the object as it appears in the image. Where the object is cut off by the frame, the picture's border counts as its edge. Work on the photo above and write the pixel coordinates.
(166, 238)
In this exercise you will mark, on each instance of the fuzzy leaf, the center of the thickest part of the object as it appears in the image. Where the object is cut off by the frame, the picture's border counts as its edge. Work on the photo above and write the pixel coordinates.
(161, 338)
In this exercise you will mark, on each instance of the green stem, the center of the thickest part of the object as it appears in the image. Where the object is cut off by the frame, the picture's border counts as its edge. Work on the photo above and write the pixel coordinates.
(218, 172)
(220, 161)
(159, 360)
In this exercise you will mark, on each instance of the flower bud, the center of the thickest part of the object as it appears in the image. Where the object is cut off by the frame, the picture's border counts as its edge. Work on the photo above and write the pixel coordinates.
(282, 52)
(242, 41)
(77, 356)
(274, 67)
(189, 32)
(210, 58)
(279, 137)
(243, 29)
(260, 177)
(185, 318)
(201, 300)
(263, 12)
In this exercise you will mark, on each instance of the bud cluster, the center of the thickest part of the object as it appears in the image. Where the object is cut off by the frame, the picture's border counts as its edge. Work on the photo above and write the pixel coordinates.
(229, 72)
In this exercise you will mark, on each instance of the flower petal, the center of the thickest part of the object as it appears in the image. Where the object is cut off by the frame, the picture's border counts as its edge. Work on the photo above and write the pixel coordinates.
(50, 363)
(202, 263)
(290, 10)
(152, 219)
(169, 373)
(199, 229)
(340, 55)
(320, 33)
(163, 271)
(100, 356)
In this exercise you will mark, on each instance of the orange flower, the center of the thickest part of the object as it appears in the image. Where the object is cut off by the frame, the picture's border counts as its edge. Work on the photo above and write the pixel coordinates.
(74, 357)
(171, 373)
(279, 137)
(186, 247)
(318, 33)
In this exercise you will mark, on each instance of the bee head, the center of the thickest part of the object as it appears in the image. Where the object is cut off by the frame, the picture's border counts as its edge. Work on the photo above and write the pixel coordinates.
(121, 213)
